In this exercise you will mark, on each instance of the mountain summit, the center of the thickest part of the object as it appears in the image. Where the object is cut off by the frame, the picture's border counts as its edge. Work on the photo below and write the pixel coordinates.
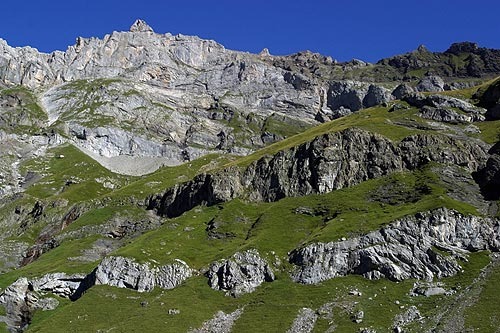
(140, 26)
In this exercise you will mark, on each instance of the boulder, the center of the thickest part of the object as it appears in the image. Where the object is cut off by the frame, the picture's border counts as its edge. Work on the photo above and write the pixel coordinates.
(240, 274)
(403, 90)
(430, 83)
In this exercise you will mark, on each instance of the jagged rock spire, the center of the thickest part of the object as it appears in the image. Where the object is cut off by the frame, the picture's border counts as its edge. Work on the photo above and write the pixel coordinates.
(140, 26)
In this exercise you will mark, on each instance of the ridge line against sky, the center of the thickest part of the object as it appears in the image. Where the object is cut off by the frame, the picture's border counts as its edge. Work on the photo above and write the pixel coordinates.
(367, 30)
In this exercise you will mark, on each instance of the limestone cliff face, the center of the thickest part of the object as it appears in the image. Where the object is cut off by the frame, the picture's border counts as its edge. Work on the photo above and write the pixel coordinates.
(329, 162)
(404, 249)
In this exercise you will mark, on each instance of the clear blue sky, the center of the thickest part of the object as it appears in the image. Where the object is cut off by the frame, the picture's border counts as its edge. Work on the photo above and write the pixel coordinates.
(367, 30)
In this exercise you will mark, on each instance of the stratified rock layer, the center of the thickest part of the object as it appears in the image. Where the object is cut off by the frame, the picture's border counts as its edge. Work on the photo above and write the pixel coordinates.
(405, 249)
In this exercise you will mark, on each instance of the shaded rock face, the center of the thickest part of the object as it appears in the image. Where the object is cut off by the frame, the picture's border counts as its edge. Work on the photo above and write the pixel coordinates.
(240, 274)
(488, 177)
(490, 100)
(329, 162)
(402, 250)
(22, 298)
(126, 273)
(353, 96)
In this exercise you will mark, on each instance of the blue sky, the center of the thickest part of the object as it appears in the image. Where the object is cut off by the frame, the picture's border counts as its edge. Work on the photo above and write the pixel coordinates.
(367, 30)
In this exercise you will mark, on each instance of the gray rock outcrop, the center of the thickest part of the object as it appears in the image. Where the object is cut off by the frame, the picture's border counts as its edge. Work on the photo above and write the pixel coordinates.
(445, 115)
(431, 83)
(61, 284)
(402, 91)
(402, 250)
(329, 162)
(127, 273)
(240, 274)
(353, 96)
(19, 302)
(445, 107)
(24, 296)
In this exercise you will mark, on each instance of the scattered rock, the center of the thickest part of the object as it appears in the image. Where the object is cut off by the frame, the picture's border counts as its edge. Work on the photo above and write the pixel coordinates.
(174, 312)
(304, 322)
(358, 317)
(410, 315)
(221, 322)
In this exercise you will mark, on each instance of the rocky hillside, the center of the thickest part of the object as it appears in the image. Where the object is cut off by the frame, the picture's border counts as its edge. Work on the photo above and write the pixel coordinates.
(151, 181)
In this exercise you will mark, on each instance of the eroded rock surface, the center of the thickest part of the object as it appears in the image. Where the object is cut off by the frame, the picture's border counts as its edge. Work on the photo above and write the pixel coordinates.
(329, 162)
(127, 273)
(240, 274)
(405, 249)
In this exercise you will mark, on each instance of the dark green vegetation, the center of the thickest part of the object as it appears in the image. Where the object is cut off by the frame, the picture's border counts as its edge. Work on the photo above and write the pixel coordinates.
(68, 178)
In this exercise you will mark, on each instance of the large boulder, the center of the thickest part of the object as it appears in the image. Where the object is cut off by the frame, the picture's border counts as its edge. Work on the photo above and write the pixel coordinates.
(240, 274)
(431, 83)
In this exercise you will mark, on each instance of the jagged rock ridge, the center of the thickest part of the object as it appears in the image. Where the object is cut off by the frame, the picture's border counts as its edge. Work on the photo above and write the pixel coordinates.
(327, 163)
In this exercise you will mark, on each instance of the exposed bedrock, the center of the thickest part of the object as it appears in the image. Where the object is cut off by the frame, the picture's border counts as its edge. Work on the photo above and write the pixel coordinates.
(411, 247)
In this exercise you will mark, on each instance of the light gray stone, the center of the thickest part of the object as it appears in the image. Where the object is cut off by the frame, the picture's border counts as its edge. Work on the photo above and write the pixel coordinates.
(400, 251)
(240, 274)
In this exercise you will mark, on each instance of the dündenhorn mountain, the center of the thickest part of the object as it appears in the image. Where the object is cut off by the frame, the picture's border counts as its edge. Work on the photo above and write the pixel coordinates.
(150, 180)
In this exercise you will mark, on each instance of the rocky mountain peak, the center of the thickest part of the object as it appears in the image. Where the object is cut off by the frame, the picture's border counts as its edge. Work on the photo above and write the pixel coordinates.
(140, 26)
(463, 47)
(422, 48)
